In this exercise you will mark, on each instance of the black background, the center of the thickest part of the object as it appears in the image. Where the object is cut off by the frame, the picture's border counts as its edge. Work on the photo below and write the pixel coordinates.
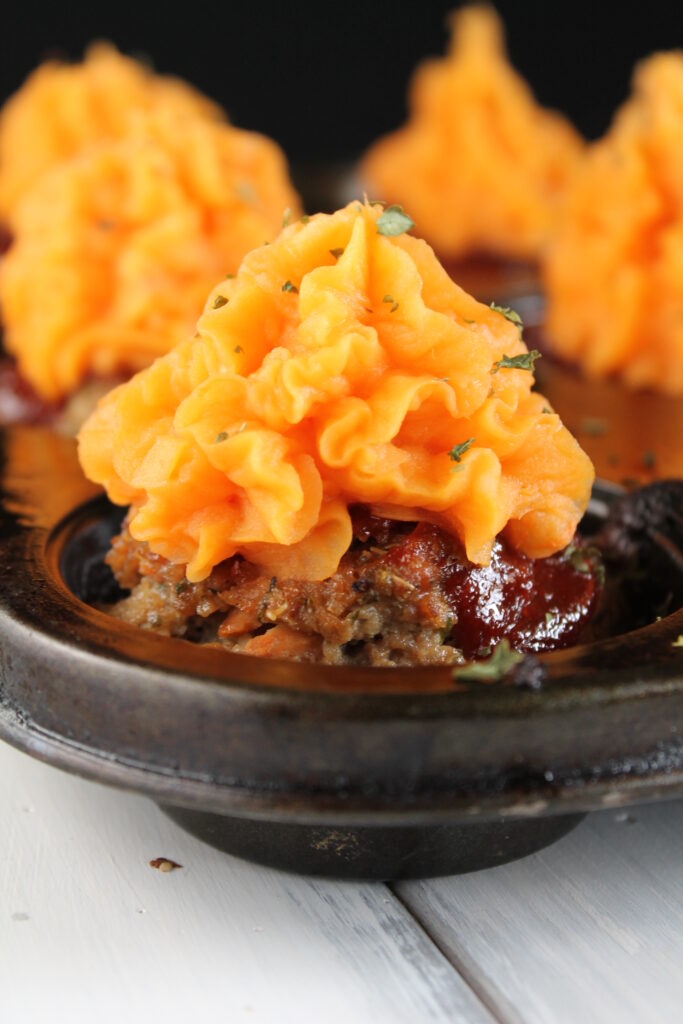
(326, 79)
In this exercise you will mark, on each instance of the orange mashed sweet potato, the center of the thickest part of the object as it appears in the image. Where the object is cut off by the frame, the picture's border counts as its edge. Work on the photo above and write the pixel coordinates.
(63, 108)
(479, 164)
(614, 273)
(341, 365)
(116, 248)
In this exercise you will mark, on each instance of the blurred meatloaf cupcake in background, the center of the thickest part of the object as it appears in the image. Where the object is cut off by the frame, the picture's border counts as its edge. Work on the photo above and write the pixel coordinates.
(614, 270)
(479, 164)
(62, 108)
(344, 464)
(119, 233)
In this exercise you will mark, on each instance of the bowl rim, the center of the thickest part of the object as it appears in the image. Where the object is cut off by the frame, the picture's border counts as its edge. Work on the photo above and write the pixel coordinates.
(260, 737)
(204, 663)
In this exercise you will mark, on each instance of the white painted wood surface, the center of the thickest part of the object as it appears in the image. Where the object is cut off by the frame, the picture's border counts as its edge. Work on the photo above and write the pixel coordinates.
(590, 930)
(89, 932)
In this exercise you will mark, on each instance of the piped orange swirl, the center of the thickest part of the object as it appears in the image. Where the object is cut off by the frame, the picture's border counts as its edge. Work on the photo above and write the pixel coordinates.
(614, 273)
(339, 366)
(479, 164)
(63, 108)
(116, 248)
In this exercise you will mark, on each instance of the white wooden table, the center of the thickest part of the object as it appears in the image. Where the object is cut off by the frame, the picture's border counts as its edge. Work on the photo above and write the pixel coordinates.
(590, 930)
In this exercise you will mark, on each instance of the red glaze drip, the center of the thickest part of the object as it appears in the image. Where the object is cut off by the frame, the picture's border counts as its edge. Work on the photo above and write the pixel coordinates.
(537, 604)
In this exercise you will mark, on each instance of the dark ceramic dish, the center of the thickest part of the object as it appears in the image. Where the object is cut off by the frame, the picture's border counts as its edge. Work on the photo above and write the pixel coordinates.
(375, 773)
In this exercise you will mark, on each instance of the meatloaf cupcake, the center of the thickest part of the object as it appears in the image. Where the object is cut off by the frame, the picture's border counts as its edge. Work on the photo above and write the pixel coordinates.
(115, 249)
(128, 195)
(480, 165)
(346, 463)
(62, 108)
(614, 272)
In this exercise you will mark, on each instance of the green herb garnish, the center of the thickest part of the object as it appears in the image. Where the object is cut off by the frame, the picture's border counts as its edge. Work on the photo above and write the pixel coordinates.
(457, 451)
(229, 277)
(238, 349)
(394, 222)
(337, 252)
(182, 586)
(524, 361)
(289, 287)
(594, 426)
(546, 411)
(509, 314)
(390, 298)
(494, 668)
(225, 436)
(305, 219)
(578, 558)
(219, 301)
(287, 218)
(586, 561)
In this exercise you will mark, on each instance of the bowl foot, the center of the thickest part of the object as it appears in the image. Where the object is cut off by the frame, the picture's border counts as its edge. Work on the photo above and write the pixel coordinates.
(381, 853)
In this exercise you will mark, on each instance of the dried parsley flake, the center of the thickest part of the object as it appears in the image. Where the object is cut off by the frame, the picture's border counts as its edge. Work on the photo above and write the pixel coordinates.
(494, 668)
(394, 222)
(457, 451)
(509, 314)
(594, 426)
(524, 361)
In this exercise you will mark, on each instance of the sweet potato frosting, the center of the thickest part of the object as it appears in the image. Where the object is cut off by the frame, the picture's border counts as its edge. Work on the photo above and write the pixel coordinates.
(116, 248)
(480, 165)
(341, 365)
(62, 108)
(614, 273)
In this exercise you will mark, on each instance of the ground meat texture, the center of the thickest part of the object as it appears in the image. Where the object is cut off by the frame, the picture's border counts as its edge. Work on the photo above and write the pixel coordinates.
(404, 594)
